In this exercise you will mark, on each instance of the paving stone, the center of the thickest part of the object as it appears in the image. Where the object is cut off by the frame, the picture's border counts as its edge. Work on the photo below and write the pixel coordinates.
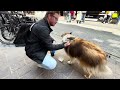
(23, 70)
(47, 74)
(60, 76)
(4, 72)
(117, 68)
(32, 74)
(117, 76)
(63, 69)
(27, 60)
(12, 75)
(17, 65)
(75, 75)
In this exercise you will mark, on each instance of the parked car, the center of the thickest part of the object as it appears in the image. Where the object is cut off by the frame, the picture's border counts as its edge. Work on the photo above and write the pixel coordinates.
(92, 14)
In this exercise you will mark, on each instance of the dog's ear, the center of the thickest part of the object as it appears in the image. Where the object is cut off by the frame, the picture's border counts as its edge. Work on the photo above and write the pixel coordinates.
(65, 34)
(71, 38)
(62, 35)
(70, 32)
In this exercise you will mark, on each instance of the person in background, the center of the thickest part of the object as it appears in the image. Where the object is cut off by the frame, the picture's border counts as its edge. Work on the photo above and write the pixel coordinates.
(108, 17)
(72, 15)
(83, 16)
(65, 14)
(79, 17)
(68, 16)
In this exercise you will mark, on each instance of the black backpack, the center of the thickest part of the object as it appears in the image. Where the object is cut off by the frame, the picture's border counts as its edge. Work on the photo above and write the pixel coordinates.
(23, 34)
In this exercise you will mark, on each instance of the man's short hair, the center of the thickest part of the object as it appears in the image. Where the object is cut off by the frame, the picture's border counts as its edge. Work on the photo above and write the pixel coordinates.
(51, 13)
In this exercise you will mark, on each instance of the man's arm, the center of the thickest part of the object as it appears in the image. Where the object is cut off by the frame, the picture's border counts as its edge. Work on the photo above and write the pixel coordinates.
(52, 39)
(43, 35)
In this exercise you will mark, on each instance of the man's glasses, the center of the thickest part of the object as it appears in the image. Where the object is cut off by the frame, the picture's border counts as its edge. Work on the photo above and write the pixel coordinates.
(55, 18)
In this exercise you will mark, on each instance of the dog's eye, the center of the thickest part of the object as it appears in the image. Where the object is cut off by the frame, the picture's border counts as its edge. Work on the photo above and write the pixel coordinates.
(71, 38)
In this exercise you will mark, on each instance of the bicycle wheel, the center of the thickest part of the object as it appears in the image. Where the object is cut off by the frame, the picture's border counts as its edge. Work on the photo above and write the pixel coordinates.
(7, 33)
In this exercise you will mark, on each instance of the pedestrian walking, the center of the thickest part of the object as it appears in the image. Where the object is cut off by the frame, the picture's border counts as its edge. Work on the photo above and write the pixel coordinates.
(83, 16)
(68, 16)
(79, 17)
(108, 17)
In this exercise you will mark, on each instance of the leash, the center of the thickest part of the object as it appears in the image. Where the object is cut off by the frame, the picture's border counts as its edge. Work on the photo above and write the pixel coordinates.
(109, 55)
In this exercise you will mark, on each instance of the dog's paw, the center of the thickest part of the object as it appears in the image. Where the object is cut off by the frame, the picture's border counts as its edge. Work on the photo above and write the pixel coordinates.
(69, 62)
(61, 59)
(88, 77)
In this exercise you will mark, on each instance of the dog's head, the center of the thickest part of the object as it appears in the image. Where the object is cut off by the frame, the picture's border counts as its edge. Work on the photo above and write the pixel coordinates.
(67, 37)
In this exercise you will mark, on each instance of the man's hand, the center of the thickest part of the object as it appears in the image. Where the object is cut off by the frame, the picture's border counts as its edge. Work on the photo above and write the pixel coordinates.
(67, 44)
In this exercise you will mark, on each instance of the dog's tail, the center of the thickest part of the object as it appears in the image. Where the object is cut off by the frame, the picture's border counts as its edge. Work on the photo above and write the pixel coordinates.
(100, 70)
(103, 70)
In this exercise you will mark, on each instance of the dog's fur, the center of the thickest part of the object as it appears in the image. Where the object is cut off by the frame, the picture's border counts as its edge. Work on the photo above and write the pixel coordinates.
(91, 57)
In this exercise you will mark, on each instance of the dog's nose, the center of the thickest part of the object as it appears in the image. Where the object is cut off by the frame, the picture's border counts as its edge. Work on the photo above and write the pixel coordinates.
(63, 40)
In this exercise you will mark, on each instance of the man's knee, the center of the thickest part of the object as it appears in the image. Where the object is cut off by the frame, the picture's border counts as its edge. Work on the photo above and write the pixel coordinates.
(49, 62)
(53, 65)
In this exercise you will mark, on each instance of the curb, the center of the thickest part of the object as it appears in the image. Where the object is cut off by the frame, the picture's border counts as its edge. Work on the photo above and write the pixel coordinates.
(99, 28)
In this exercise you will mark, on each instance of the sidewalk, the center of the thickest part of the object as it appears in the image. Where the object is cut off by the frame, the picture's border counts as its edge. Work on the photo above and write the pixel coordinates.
(14, 64)
(91, 23)
(94, 24)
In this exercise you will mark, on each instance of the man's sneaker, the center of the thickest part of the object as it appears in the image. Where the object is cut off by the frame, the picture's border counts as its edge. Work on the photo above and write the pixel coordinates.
(39, 65)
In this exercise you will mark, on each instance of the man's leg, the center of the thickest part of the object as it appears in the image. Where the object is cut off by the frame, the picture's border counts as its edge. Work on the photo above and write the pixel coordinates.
(84, 17)
(77, 21)
(67, 18)
(107, 19)
(48, 63)
(52, 52)
(104, 20)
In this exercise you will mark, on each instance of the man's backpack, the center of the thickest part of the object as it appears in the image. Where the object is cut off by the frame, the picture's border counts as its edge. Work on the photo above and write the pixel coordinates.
(23, 34)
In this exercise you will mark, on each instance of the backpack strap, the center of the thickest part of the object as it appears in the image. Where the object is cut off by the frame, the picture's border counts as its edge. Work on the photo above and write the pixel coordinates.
(32, 26)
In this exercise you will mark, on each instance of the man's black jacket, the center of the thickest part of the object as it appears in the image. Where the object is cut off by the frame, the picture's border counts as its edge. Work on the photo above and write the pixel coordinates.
(40, 41)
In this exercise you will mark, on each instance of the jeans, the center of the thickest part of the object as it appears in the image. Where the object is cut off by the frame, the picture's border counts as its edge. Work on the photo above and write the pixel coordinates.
(49, 62)
(52, 52)
(83, 17)
(69, 17)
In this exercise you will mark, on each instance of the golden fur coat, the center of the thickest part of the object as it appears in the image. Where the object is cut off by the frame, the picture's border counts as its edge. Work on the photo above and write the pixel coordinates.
(92, 58)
